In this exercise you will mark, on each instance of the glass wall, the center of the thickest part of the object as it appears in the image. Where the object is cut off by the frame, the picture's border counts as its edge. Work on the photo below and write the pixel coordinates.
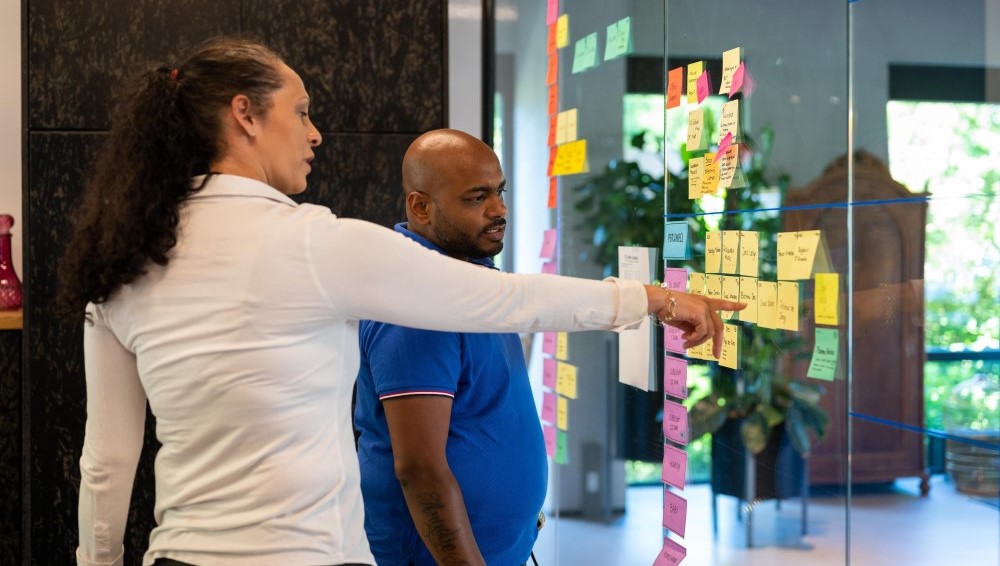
(833, 164)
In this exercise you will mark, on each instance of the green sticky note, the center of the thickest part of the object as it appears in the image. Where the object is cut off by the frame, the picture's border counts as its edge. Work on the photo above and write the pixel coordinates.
(619, 39)
(825, 354)
(611, 43)
(562, 451)
(579, 52)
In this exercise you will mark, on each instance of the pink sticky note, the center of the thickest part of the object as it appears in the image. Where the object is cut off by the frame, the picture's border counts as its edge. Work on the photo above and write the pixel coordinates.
(549, 239)
(549, 408)
(737, 83)
(674, 466)
(672, 340)
(749, 85)
(671, 554)
(675, 422)
(675, 376)
(550, 440)
(549, 343)
(552, 14)
(550, 268)
(676, 278)
(703, 86)
(724, 144)
(549, 373)
(675, 509)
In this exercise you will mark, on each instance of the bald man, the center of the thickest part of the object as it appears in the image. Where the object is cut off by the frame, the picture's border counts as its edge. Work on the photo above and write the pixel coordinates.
(453, 467)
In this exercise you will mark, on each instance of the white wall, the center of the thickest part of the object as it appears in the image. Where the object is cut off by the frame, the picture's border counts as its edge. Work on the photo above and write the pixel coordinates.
(465, 66)
(10, 120)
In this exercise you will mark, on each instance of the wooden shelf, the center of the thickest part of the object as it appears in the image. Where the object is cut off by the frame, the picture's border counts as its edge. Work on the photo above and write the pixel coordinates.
(10, 320)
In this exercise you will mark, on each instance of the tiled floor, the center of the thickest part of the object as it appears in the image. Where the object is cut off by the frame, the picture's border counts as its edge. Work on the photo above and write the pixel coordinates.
(890, 527)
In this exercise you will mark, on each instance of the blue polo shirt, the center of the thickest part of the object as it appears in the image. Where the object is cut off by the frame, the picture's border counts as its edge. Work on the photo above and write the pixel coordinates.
(495, 447)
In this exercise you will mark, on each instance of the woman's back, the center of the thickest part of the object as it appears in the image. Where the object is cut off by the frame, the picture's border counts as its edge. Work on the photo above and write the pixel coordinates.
(249, 375)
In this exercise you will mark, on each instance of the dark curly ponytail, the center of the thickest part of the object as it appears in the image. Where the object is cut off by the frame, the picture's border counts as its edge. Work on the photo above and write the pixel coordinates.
(166, 130)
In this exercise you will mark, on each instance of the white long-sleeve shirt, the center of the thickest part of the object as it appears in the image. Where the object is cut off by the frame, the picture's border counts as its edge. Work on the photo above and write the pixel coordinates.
(246, 347)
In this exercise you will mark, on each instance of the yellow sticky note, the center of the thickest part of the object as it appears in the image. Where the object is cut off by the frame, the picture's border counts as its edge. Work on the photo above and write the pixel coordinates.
(571, 125)
(562, 346)
(713, 252)
(710, 179)
(805, 252)
(562, 31)
(827, 297)
(729, 121)
(566, 380)
(786, 255)
(730, 292)
(571, 158)
(696, 138)
(788, 305)
(562, 413)
(730, 250)
(748, 295)
(749, 248)
(730, 347)
(713, 286)
(694, 70)
(728, 164)
(696, 283)
(561, 128)
(767, 304)
(730, 62)
(696, 168)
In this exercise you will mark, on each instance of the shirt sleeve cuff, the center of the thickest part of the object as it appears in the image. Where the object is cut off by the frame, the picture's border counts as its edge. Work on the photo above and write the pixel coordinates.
(116, 561)
(633, 304)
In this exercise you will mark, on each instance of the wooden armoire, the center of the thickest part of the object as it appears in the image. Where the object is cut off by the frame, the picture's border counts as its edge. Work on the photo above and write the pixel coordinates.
(887, 387)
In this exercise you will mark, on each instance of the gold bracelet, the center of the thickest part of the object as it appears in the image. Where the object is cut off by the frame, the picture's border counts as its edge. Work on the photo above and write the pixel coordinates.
(671, 308)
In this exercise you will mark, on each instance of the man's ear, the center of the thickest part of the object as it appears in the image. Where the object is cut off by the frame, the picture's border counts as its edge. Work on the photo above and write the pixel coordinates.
(418, 207)
(242, 110)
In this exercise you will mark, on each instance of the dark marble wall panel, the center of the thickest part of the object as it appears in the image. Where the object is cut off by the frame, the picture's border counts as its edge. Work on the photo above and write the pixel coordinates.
(10, 447)
(80, 50)
(359, 176)
(55, 380)
(372, 66)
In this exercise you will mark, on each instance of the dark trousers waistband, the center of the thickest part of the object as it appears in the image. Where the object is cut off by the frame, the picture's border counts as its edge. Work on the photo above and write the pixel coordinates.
(172, 562)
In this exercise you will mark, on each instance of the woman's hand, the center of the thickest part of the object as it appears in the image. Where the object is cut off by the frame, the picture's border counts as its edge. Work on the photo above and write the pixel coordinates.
(695, 315)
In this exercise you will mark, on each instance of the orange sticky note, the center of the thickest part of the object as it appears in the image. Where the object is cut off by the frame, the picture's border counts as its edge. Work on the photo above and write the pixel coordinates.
(675, 86)
(553, 192)
(553, 98)
(551, 42)
(553, 152)
(552, 74)
(553, 128)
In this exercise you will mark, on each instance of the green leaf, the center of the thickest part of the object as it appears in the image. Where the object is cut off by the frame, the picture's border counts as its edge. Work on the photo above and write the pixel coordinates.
(754, 432)
(772, 416)
(706, 416)
(795, 427)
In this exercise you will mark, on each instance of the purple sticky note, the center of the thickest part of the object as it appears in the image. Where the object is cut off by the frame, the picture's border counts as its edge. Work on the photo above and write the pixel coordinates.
(549, 408)
(724, 144)
(737, 83)
(550, 268)
(674, 466)
(550, 440)
(703, 86)
(671, 554)
(549, 373)
(549, 239)
(672, 340)
(675, 372)
(549, 343)
(676, 278)
(675, 422)
(675, 509)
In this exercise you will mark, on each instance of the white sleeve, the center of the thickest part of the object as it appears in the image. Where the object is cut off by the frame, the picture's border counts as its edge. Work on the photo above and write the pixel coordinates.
(116, 413)
(369, 272)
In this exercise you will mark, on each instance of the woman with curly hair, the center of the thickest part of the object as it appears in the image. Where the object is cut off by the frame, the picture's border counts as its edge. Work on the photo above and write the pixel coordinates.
(233, 310)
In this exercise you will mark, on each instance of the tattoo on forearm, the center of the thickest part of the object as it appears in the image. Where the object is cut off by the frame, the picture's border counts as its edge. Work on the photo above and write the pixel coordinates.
(443, 539)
